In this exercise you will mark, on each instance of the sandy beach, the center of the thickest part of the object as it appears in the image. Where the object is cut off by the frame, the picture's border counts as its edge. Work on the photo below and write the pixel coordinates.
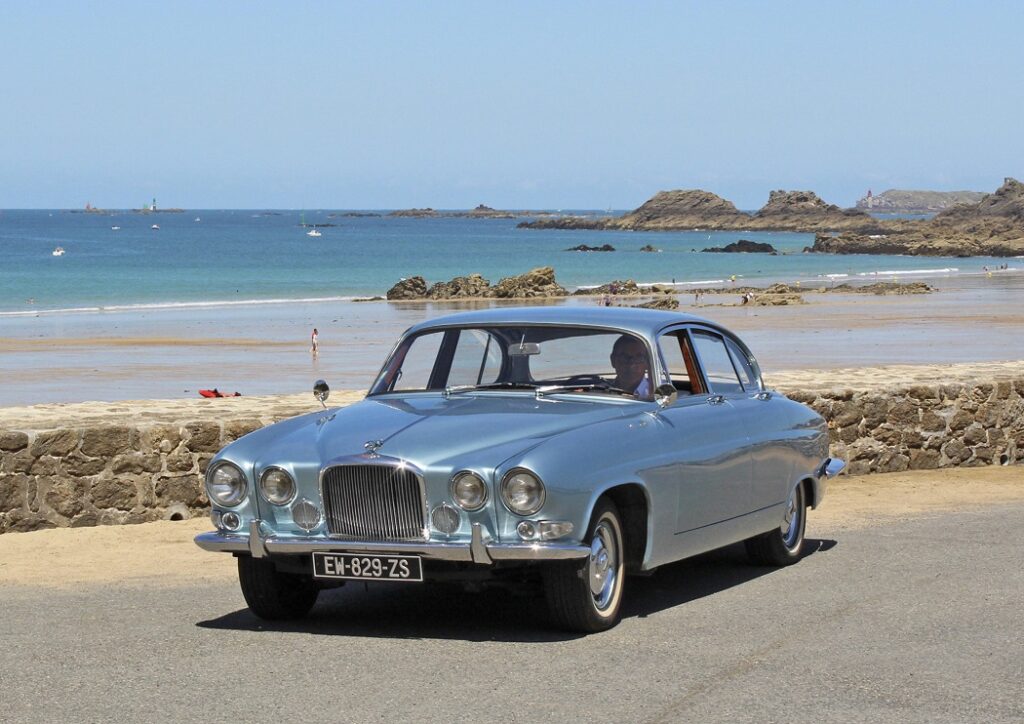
(264, 350)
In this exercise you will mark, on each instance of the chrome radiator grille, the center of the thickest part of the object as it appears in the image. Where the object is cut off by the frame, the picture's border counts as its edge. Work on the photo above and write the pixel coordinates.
(374, 502)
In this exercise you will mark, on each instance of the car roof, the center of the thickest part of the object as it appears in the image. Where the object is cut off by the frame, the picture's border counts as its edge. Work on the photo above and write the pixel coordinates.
(640, 321)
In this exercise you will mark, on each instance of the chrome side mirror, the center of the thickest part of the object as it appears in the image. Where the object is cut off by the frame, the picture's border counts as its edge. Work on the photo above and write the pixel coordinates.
(321, 392)
(665, 395)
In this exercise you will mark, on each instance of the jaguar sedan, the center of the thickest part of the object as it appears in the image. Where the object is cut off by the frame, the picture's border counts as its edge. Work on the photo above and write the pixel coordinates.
(562, 448)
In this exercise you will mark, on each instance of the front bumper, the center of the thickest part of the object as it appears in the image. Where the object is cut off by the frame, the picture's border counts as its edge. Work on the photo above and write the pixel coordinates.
(478, 550)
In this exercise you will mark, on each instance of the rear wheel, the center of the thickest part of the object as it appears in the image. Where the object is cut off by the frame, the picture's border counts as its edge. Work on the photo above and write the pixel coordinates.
(783, 545)
(586, 595)
(273, 595)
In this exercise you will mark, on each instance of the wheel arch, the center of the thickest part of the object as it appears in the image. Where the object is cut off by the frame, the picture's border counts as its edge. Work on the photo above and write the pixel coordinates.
(633, 505)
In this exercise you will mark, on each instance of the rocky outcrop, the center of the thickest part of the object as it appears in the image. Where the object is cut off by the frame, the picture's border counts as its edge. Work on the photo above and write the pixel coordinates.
(473, 286)
(900, 201)
(992, 227)
(743, 246)
(805, 211)
(538, 282)
(584, 247)
(486, 212)
(411, 288)
(885, 288)
(626, 288)
(648, 248)
(697, 209)
(415, 213)
(667, 303)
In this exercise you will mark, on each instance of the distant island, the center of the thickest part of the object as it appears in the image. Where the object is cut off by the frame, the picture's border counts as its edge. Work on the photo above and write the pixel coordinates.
(992, 226)
(480, 212)
(900, 201)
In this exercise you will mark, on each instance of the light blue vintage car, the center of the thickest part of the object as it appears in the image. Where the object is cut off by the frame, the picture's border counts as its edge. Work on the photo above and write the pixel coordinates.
(562, 447)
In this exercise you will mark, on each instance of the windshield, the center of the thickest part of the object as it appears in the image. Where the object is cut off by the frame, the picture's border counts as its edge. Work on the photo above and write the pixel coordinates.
(544, 358)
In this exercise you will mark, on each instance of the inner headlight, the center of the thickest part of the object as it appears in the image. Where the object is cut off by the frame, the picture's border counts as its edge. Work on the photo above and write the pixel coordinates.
(225, 484)
(468, 490)
(522, 492)
(277, 486)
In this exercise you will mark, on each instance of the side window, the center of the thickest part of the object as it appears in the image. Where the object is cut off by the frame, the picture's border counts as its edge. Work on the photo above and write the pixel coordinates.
(674, 351)
(718, 367)
(743, 366)
(477, 359)
(418, 363)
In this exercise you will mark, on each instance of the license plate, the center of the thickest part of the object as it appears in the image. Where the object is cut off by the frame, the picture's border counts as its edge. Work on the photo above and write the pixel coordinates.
(367, 567)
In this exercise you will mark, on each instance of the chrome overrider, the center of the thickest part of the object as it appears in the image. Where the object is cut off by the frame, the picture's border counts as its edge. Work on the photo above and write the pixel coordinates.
(479, 550)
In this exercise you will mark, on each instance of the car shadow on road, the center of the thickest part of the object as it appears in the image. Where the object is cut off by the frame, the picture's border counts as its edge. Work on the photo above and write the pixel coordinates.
(433, 611)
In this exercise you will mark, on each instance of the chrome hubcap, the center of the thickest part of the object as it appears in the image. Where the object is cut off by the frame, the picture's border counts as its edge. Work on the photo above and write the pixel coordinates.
(791, 520)
(602, 568)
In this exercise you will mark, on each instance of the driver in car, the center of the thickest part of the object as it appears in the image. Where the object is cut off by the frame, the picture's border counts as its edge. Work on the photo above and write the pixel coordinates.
(632, 371)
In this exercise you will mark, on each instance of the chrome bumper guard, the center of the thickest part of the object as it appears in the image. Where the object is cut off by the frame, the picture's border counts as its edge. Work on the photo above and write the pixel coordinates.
(479, 550)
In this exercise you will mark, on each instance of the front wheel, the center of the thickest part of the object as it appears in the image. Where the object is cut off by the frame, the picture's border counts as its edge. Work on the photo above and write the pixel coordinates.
(273, 595)
(783, 545)
(587, 595)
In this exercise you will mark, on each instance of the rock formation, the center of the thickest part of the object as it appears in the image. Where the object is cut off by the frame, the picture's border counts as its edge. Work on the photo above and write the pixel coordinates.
(416, 213)
(743, 246)
(697, 209)
(992, 227)
(538, 282)
(411, 288)
(584, 247)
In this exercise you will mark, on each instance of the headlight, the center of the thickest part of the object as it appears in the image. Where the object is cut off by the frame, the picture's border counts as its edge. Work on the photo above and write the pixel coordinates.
(468, 490)
(522, 492)
(277, 486)
(225, 484)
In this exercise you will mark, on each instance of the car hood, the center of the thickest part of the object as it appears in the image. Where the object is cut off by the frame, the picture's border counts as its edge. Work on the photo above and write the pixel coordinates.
(429, 430)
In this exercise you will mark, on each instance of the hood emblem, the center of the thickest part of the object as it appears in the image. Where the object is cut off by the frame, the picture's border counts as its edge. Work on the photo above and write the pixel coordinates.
(372, 446)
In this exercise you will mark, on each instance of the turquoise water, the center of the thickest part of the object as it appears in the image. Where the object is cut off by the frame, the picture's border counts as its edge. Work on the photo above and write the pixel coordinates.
(249, 257)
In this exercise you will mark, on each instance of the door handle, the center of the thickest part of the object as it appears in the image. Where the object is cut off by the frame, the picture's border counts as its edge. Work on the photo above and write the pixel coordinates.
(716, 399)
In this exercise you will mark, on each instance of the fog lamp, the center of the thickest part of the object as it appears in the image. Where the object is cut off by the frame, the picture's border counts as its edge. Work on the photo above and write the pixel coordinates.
(230, 521)
(526, 530)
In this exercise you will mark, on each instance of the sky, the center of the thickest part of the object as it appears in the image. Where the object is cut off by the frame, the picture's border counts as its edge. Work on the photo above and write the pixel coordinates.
(587, 105)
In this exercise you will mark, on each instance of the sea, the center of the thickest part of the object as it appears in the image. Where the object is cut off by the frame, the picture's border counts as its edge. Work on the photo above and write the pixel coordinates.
(120, 261)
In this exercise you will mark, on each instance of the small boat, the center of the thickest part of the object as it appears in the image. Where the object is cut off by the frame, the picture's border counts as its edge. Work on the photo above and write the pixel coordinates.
(115, 228)
(313, 232)
(59, 251)
(155, 227)
(217, 393)
(197, 218)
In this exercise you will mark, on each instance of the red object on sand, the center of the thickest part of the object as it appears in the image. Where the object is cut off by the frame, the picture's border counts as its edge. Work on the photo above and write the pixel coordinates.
(217, 393)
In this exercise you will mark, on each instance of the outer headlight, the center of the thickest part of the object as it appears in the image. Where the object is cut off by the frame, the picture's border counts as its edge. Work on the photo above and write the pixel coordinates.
(468, 490)
(225, 484)
(277, 486)
(522, 491)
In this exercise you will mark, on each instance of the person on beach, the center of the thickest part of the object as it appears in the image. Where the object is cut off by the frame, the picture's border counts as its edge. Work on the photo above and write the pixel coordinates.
(629, 359)
(315, 342)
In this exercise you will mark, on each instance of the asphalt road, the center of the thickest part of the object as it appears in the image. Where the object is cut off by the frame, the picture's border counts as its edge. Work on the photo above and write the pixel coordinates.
(915, 621)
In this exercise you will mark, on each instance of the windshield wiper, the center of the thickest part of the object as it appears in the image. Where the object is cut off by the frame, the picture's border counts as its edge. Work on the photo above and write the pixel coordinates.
(588, 387)
(459, 389)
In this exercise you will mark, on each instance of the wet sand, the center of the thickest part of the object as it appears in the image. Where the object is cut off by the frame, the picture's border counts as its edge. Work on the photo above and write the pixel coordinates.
(264, 350)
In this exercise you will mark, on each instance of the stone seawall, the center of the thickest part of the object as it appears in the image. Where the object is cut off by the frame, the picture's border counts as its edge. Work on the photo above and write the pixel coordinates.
(124, 463)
